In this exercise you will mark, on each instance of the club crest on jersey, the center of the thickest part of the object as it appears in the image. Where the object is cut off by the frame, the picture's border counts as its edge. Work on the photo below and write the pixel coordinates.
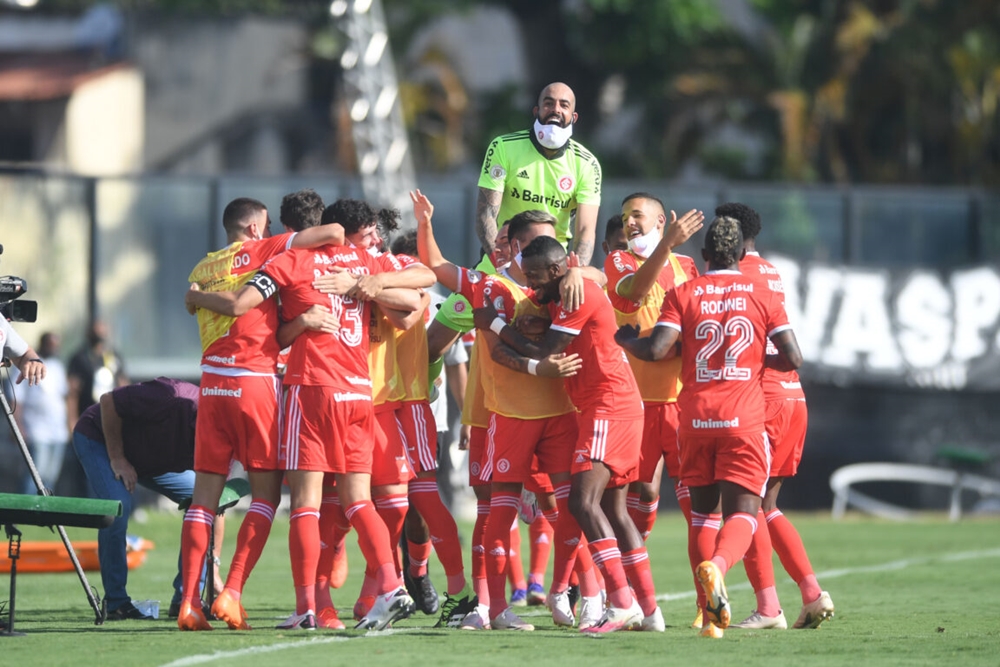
(459, 307)
(474, 468)
(498, 172)
(566, 183)
(503, 465)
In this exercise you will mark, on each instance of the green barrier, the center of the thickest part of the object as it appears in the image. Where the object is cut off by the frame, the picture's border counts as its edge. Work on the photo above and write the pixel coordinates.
(58, 511)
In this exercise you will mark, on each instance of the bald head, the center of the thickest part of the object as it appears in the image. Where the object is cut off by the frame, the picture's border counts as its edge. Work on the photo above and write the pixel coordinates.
(558, 102)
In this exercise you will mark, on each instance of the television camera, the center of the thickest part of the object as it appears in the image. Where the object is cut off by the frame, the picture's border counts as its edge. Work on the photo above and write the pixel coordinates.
(12, 306)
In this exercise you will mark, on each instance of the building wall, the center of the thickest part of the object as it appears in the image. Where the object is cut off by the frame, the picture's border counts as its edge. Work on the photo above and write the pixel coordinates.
(105, 124)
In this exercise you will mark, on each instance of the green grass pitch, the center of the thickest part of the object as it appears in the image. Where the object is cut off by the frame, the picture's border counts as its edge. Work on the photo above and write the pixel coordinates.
(922, 593)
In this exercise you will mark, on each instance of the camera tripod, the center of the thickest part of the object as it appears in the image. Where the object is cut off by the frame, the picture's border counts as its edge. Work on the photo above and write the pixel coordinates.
(46, 517)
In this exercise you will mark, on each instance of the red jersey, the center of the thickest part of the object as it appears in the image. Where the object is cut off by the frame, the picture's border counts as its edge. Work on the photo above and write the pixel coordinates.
(337, 360)
(239, 345)
(724, 320)
(605, 385)
(778, 385)
(658, 382)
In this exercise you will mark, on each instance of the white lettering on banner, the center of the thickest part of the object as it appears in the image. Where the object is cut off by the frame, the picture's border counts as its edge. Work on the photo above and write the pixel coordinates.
(920, 329)
(922, 309)
(977, 305)
(862, 325)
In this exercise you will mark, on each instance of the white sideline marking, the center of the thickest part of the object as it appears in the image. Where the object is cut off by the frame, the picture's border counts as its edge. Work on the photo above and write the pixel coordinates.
(843, 572)
(271, 648)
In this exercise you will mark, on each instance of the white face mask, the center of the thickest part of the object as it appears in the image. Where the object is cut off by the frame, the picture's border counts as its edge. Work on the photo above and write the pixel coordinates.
(644, 245)
(517, 260)
(373, 251)
(552, 136)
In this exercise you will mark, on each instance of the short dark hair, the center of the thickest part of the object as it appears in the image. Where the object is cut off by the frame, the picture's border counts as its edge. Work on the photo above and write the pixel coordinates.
(614, 224)
(517, 224)
(643, 195)
(238, 213)
(352, 214)
(301, 210)
(748, 218)
(545, 247)
(388, 220)
(724, 241)
(405, 244)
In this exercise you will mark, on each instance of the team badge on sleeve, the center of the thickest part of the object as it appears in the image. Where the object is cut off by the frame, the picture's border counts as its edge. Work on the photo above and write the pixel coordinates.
(474, 276)
(498, 172)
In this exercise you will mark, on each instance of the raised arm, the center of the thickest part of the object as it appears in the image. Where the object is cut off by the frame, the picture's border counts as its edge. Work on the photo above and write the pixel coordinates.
(427, 247)
(487, 210)
(637, 286)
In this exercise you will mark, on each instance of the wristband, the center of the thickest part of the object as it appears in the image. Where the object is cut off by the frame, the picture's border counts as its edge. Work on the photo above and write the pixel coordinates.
(497, 325)
(532, 366)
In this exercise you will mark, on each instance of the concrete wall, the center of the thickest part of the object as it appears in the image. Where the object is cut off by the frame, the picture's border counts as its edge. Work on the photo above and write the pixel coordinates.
(104, 124)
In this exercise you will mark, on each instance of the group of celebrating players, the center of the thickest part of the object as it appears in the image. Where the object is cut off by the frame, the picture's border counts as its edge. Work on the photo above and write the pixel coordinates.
(583, 386)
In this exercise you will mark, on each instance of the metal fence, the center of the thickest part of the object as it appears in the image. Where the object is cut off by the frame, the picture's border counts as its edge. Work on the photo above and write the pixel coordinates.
(120, 249)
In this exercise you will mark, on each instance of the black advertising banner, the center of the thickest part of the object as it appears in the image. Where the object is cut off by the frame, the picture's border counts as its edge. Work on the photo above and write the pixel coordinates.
(916, 328)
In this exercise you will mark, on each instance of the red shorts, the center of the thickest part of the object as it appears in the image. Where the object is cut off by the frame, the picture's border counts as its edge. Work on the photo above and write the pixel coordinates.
(237, 419)
(539, 483)
(322, 433)
(389, 464)
(614, 442)
(785, 422)
(477, 455)
(514, 445)
(419, 434)
(743, 459)
(659, 441)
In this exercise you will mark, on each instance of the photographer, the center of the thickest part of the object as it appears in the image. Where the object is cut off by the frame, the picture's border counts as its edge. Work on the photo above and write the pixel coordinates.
(21, 355)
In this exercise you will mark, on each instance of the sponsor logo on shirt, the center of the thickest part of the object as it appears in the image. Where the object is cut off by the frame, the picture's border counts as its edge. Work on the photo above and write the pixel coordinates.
(535, 198)
(222, 360)
(344, 396)
(219, 391)
(364, 382)
(716, 423)
(523, 174)
(320, 258)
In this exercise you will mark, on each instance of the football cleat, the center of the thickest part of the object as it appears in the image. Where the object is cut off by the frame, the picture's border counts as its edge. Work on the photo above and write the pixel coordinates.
(477, 619)
(536, 594)
(363, 606)
(615, 619)
(508, 620)
(711, 630)
(653, 622)
(757, 621)
(388, 607)
(456, 608)
(591, 611)
(815, 612)
(189, 618)
(519, 598)
(698, 621)
(328, 619)
(562, 613)
(229, 609)
(306, 621)
(717, 604)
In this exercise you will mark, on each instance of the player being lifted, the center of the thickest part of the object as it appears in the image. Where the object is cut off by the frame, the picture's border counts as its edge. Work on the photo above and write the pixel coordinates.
(723, 323)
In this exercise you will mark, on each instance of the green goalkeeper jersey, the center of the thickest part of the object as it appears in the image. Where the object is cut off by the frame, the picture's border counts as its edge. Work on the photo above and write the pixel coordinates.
(515, 166)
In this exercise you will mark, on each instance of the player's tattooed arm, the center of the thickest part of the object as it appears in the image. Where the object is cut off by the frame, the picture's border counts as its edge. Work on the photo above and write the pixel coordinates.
(658, 345)
(554, 366)
(487, 210)
(585, 232)
(789, 356)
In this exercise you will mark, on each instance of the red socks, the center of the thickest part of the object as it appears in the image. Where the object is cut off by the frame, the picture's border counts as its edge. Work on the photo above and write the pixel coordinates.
(426, 499)
(540, 532)
(250, 541)
(195, 533)
(636, 565)
(503, 512)
(373, 538)
(734, 540)
(303, 547)
(608, 560)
